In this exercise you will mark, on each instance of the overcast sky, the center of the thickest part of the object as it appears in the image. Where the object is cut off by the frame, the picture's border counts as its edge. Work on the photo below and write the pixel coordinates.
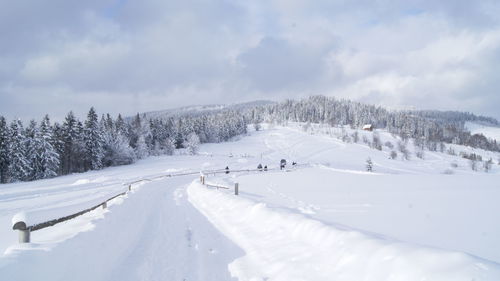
(131, 56)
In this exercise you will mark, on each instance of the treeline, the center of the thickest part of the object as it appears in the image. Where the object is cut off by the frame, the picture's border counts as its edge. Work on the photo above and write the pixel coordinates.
(44, 150)
(431, 127)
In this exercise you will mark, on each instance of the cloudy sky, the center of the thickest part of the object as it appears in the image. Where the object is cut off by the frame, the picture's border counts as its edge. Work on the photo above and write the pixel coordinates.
(131, 56)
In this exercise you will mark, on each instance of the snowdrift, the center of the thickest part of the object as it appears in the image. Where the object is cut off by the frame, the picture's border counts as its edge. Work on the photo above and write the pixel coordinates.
(283, 245)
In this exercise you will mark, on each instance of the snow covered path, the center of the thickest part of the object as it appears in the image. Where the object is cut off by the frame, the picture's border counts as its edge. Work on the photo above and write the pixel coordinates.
(283, 226)
(155, 234)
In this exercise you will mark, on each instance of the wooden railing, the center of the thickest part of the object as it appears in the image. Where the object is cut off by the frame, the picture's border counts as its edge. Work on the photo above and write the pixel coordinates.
(25, 230)
(217, 185)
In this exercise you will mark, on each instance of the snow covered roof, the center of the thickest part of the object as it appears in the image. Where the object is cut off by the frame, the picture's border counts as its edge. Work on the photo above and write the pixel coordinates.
(367, 126)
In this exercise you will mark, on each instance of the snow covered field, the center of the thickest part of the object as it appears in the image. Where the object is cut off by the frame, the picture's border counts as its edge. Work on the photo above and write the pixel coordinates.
(487, 131)
(430, 218)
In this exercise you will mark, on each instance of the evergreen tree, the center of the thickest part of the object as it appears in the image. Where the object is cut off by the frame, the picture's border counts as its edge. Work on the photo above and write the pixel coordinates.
(19, 168)
(121, 152)
(69, 136)
(487, 165)
(4, 150)
(169, 146)
(120, 126)
(31, 146)
(47, 156)
(369, 165)
(192, 143)
(141, 150)
(134, 131)
(93, 139)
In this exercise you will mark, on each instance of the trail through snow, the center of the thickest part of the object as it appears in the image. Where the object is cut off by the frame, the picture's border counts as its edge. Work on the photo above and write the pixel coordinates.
(153, 235)
(330, 221)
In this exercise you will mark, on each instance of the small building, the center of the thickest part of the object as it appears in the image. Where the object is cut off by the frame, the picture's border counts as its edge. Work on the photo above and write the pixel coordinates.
(368, 127)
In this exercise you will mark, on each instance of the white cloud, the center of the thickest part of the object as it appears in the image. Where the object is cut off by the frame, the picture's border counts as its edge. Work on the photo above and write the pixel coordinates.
(153, 54)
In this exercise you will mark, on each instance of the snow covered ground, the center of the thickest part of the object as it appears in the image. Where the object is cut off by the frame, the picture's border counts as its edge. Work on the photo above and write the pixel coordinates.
(487, 131)
(430, 218)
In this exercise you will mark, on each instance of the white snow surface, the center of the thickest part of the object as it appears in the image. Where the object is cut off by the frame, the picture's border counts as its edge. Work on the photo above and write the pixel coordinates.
(327, 219)
(282, 245)
(488, 131)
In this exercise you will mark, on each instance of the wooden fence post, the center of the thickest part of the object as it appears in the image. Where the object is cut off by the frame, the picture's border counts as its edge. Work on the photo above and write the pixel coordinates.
(129, 187)
(104, 205)
(24, 236)
(24, 232)
(203, 180)
(236, 187)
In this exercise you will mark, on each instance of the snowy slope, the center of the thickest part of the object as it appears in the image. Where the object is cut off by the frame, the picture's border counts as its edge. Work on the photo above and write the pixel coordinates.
(282, 245)
(408, 211)
(488, 131)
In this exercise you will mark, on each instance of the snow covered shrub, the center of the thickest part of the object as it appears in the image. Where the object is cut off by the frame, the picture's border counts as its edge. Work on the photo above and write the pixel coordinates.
(376, 143)
(306, 127)
(120, 152)
(355, 137)
(487, 165)
(393, 155)
(192, 143)
(442, 147)
(346, 138)
(431, 145)
(169, 146)
(141, 150)
(404, 151)
(473, 164)
(389, 144)
(448, 172)
(257, 126)
(420, 154)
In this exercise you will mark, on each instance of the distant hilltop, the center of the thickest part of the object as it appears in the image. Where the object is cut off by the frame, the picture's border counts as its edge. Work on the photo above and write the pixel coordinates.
(195, 110)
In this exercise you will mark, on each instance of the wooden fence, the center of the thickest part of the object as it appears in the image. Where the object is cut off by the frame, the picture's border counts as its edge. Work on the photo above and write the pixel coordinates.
(216, 185)
(25, 230)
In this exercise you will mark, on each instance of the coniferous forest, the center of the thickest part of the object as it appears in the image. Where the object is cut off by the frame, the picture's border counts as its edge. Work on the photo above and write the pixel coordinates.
(43, 149)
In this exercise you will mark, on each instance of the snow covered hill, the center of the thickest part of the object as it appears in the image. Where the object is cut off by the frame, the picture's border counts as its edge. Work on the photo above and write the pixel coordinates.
(196, 110)
(488, 131)
(429, 218)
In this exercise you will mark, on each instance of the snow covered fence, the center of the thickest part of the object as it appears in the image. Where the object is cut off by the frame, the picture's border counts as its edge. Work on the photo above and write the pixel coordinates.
(204, 182)
(27, 222)
(236, 185)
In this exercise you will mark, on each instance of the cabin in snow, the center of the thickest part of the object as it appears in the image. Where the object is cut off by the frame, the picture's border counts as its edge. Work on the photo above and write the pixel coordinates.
(368, 127)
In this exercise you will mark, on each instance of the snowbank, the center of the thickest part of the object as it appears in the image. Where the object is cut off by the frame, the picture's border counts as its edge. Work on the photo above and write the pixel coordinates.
(281, 245)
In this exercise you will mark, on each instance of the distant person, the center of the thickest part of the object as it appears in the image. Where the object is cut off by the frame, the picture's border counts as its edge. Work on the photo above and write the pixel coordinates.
(227, 169)
(282, 164)
(259, 167)
(265, 168)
